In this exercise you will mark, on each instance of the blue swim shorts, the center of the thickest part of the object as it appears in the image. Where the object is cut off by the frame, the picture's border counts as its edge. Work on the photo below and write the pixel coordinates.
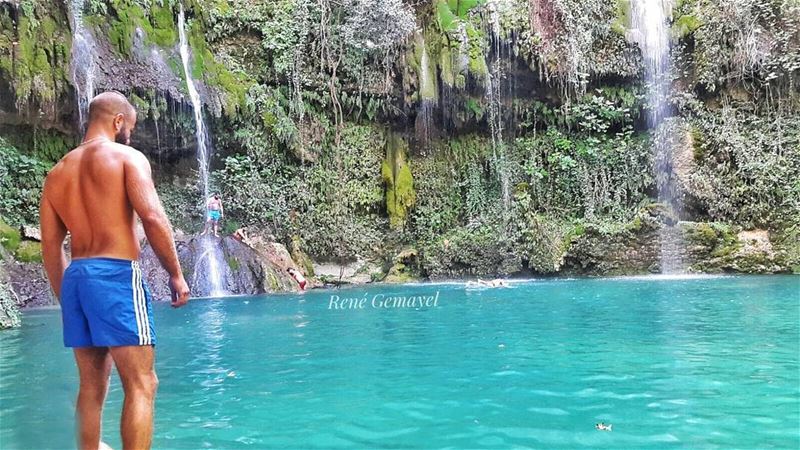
(214, 215)
(106, 303)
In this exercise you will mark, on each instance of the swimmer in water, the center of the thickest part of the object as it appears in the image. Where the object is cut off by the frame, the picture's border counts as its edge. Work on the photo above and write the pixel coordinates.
(497, 282)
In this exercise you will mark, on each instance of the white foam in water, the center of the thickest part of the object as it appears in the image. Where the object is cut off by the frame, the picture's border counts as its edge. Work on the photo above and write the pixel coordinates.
(671, 277)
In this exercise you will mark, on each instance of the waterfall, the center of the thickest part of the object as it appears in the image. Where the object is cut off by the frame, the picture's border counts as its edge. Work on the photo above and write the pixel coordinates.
(494, 98)
(428, 97)
(82, 62)
(650, 29)
(211, 259)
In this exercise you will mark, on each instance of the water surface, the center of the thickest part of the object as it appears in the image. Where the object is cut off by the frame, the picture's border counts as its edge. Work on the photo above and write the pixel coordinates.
(708, 362)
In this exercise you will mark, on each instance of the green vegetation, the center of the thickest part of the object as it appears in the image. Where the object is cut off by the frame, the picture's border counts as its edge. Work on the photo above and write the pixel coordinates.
(399, 182)
(21, 179)
(320, 98)
(29, 251)
(35, 59)
(9, 236)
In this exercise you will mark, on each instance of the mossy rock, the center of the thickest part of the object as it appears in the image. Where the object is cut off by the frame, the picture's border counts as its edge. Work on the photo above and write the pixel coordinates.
(396, 173)
(272, 281)
(300, 257)
(233, 263)
(29, 251)
(9, 236)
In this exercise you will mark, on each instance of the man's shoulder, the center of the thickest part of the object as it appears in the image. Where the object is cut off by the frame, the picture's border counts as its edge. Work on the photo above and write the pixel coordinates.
(123, 150)
(125, 153)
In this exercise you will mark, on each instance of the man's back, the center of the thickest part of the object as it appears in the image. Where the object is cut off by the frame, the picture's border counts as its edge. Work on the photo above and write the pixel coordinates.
(106, 309)
(88, 192)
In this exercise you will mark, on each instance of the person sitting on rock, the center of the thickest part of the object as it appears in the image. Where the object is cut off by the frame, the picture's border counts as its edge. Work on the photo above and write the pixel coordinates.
(241, 235)
(301, 280)
(215, 214)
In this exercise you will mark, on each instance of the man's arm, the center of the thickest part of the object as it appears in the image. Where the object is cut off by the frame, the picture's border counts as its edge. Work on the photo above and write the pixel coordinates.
(53, 233)
(144, 199)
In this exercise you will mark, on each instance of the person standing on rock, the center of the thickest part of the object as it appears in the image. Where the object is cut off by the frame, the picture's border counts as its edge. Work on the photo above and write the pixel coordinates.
(215, 213)
(95, 193)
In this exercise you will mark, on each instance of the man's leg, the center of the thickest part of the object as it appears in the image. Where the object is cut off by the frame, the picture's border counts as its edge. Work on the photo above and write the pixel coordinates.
(94, 368)
(139, 381)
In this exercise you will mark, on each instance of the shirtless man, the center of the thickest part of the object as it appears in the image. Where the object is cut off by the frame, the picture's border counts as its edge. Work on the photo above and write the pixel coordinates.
(215, 213)
(95, 193)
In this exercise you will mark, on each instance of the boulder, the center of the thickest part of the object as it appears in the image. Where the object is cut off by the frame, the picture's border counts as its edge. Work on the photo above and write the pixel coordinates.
(31, 233)
(242, 269)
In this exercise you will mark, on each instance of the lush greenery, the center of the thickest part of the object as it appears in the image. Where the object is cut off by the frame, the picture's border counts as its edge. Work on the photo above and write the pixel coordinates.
(471, 136)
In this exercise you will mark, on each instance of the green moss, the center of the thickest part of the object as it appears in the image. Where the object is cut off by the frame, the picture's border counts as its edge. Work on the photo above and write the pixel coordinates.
(474, 106)
(450, 12)
(157, 23)
(477, 57)
(29, 251)
(141, 105)
(205, 67)
(446, 66)
(233, 263)
(445, 16)
(300, 257)
(396, 173)
(719, 238)
(273, 281)
(162, 19)
(9, 236)
(130, 16)
(699, 149)
(38, 68)
(685, 25)
(622, 19)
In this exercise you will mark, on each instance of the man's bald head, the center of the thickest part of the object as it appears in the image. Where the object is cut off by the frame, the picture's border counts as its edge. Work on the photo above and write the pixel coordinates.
(112, 111)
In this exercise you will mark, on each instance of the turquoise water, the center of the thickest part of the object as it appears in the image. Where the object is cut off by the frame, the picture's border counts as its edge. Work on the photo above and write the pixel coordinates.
(671, 363)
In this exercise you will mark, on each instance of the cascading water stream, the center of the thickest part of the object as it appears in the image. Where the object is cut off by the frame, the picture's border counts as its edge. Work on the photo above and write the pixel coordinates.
(82, 61)
(651, 30)
(211, 258)
(428, 98)
(494, 98)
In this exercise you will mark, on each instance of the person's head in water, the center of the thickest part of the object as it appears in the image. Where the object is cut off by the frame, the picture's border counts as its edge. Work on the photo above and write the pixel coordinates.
(111, 112)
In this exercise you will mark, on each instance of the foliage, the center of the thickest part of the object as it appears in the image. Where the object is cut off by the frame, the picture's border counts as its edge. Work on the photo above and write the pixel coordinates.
(587, 175)
(21, 179)
(574, 39)
(467, 251)
(749, 166)
(745, 41)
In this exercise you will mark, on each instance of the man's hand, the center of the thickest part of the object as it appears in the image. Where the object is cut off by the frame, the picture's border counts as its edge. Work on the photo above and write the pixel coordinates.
(180, 291)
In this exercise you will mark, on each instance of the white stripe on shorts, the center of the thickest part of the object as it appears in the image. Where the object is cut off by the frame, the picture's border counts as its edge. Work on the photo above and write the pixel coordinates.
(136, 309)
(148, 339)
